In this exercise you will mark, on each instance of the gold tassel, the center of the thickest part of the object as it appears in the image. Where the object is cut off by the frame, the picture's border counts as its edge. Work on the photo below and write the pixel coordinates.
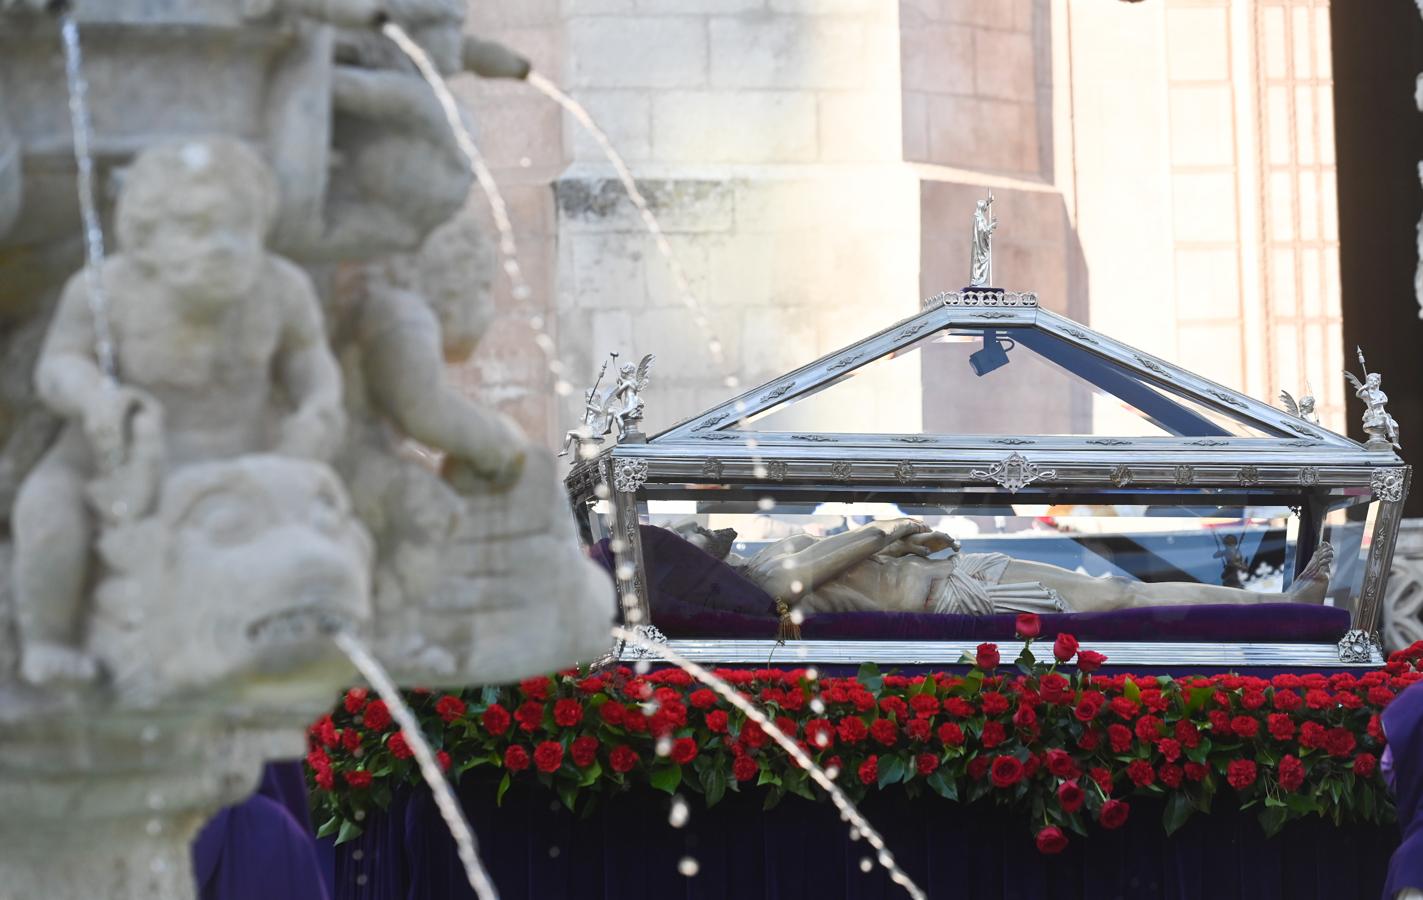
(789, 630)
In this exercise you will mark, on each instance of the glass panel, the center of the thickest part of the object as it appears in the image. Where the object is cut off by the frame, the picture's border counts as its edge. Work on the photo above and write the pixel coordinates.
(996, 381)
(1349, 528)
(895, 564)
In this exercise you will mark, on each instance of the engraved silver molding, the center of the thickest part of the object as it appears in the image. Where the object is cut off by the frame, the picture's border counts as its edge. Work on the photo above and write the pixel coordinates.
(711, 422)
(1357, 646)
(1183, 475)
(1014, 473)
(1387, 484)
(776, 470)
(629, 475)
(904, 472)
(841, 471)
(1121, 476)
(1249, 475)
(712, 469)
(982, 298)
(844, 362)
(777, 393)
(1308, 476)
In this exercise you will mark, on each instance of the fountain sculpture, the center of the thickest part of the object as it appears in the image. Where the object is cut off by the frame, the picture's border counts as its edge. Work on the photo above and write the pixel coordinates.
(179, 541)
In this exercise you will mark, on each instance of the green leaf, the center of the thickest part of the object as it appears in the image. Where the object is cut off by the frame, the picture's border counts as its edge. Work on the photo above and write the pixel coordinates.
(870, 677)
(503, 788)
(714, 785)
(1131, 691)
(943, 785)
(568, 793)
(768, 777)
(1272, 820)
(329, 827)
(591, 774)
(799, 784)
(349, 832)
(891, 770)
(1177, 812)
(666, 777)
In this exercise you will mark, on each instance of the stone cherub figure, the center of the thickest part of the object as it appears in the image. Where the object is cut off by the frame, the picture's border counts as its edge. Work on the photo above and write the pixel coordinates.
(1381, 427)
(886, 566)
(220, 352)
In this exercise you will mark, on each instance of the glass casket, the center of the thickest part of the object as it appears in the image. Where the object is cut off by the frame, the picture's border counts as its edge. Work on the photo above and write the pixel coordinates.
(1165, 518)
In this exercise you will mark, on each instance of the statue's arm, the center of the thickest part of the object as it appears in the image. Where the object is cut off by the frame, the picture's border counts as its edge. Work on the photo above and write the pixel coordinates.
(307, 370)
(67, 376)
(824, 560)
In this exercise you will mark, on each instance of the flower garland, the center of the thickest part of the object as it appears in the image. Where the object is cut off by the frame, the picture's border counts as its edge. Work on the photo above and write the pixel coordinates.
(1069, 748)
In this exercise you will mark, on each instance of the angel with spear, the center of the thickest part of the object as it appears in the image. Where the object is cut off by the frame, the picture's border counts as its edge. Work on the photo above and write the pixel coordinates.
(1378, 424)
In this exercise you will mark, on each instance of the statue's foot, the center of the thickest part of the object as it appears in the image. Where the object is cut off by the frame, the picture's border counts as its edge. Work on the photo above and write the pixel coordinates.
(1311, 585)
(46, 663)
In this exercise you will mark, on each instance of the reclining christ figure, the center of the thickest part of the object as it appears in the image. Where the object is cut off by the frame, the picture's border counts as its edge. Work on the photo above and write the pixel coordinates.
(886, 567)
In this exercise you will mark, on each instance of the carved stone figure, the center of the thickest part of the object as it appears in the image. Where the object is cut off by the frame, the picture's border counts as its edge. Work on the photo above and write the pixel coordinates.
(1378, 424)
(887, 566)
(198, 308)
(980, 270)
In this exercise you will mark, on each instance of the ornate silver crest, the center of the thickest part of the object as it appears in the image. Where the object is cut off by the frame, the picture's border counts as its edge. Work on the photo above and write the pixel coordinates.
(1184, 474)
(1249, 475)
(1308, 476)
(904, 472)
(648, 633)
(629, 475)
(840, 471)
(1014, 472)
(1121, 476)
(776, 470)
(1387, 484)
(712, 469)
(1356, 646)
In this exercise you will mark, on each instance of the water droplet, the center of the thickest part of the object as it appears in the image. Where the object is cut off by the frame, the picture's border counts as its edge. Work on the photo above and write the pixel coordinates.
(832, 773)
(796, 587)
(679, 813)
(562, 388)
(536, 323)
(633, 616)
(854, 834)
(590, 451)
(731, 381)
(740, 406)
(626, 571)
(521, 292)
(155, 800)
(358, 855)
(752, 443)
(817, 705)
(812, 673)
(361, 879)
(759, 471)
(866, 864)
(765, 504)
(617, 545)
(797, 617)
(688, 866)
(886, 860)
(822, 739)
(642, 667)
(158, 865)
(601, 492)
(553, 852)
(525, 162)
(664, 745)
(510, 266)
(149, 734)
(714, 347)
(154, 828)
(359, 815)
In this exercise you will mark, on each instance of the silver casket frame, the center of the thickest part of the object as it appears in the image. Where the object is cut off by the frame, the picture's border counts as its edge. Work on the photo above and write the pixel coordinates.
(1296, 455)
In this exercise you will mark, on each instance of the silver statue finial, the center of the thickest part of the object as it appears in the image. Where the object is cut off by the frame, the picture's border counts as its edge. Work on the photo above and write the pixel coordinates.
(1304, 408)
(1378, 424)
(980, 270)
(619, 406)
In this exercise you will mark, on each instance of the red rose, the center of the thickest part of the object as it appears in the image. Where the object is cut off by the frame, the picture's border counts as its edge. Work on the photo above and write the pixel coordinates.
(1114, 814)
(1170, 775)
(993, 734)
(356, 699)
(530, 715)
(622, 759)
(1141, 773)
(987, 658)
(449, 708)
(1240, 774)
(442, 759)
(516, 758)
(358, 780)
(1365, 764)
(926, 763)
(852, 730)
(536, 688)
(703, 698)
(1090, 739)
(869, 770)
(1025, 718)
(495, 719)
(1029, 626)
(1291, 773)
(1245, 726)
(613, 713)
(883, 730)
(398, 747)
(1087, 709)
(1089, 661)
(1070, 796)
(1119, 736)
(1006, 771)
(717, 721)
(567, 713)
(1339, 742)
(1051, 840)
(1059, 763)
(744, 768)
(584, 751)
(951, 735)
(684, 750)
(1065, 647)
(1196, 771)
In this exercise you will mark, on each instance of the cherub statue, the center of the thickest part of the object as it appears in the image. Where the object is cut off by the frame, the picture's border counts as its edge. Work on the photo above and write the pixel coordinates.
(980, 271)
(619, 407)
(220, 352)
(1378, 424)
(1304, 408)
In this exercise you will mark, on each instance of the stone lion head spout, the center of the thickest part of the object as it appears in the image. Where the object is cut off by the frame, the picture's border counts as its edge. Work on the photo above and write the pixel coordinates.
(229, 587)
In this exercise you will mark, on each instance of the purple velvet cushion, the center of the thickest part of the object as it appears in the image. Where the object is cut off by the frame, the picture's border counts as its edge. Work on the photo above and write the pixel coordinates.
(681, 575)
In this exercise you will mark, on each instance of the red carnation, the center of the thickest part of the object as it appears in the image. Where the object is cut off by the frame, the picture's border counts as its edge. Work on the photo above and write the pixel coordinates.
(584, 751)
(535, 688)
(495, 719)
(548, 756)
(516, 758)
(978, 767)
(754, 736)
(613, 713)
(717, 721)
(684, 750)
(1125, 708)
(883, 731)
(358, 780)
(1291, 773)
(1196, 771)
(398, 747)
(958, 707)
(1170, 775)
(325, 779)
(1245, 726)
(1028, 626)
(993, 734)
(1065, 647)
(1311, 735)
(1280, 726)
(1149, 728)
(1070, 796)
(622, 759)
(449, 708)
(1170, 749)
(1365, 764)
(1090, 739)
(1141, 773)
(987, 657)
(377, 716)
(852, 730)
(1287, 701)
(924, 704)
(325, 731)
(951, 735)
(918, 729)
(869, 770)
(530, 715)
(1051, 840)
(350, 739)
(567, 713)
(443, 760)
(356, 699)
(1089, 661)
(994, 703)
(744, 768)
(1102, 777)
(1240, 774)
(1114, 814)
(926, 763)
(318, 760)
(1006, 771)
(1119, 736)
(703, 698)
(1339, 742)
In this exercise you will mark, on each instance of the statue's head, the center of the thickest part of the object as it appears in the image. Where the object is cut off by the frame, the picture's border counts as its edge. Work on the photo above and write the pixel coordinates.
(196, 213)
(716, 543)
(627, 369)
(231, 585)
(1373, 379)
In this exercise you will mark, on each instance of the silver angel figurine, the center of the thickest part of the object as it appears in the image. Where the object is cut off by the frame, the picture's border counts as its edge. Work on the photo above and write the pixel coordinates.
(1381, 427)
(1304, 408)
(980, 270)
(619, 406)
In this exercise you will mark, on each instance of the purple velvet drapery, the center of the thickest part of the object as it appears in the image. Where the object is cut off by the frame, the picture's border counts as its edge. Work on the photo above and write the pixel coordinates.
(1403, 725)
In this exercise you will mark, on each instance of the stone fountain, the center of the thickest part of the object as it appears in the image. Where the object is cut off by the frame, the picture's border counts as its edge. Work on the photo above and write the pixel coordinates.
(277, 455)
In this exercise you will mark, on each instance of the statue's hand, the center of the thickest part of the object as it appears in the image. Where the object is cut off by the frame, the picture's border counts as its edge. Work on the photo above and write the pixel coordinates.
(312, 432)
(932, 542)
(107, 416)
(899, 529)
